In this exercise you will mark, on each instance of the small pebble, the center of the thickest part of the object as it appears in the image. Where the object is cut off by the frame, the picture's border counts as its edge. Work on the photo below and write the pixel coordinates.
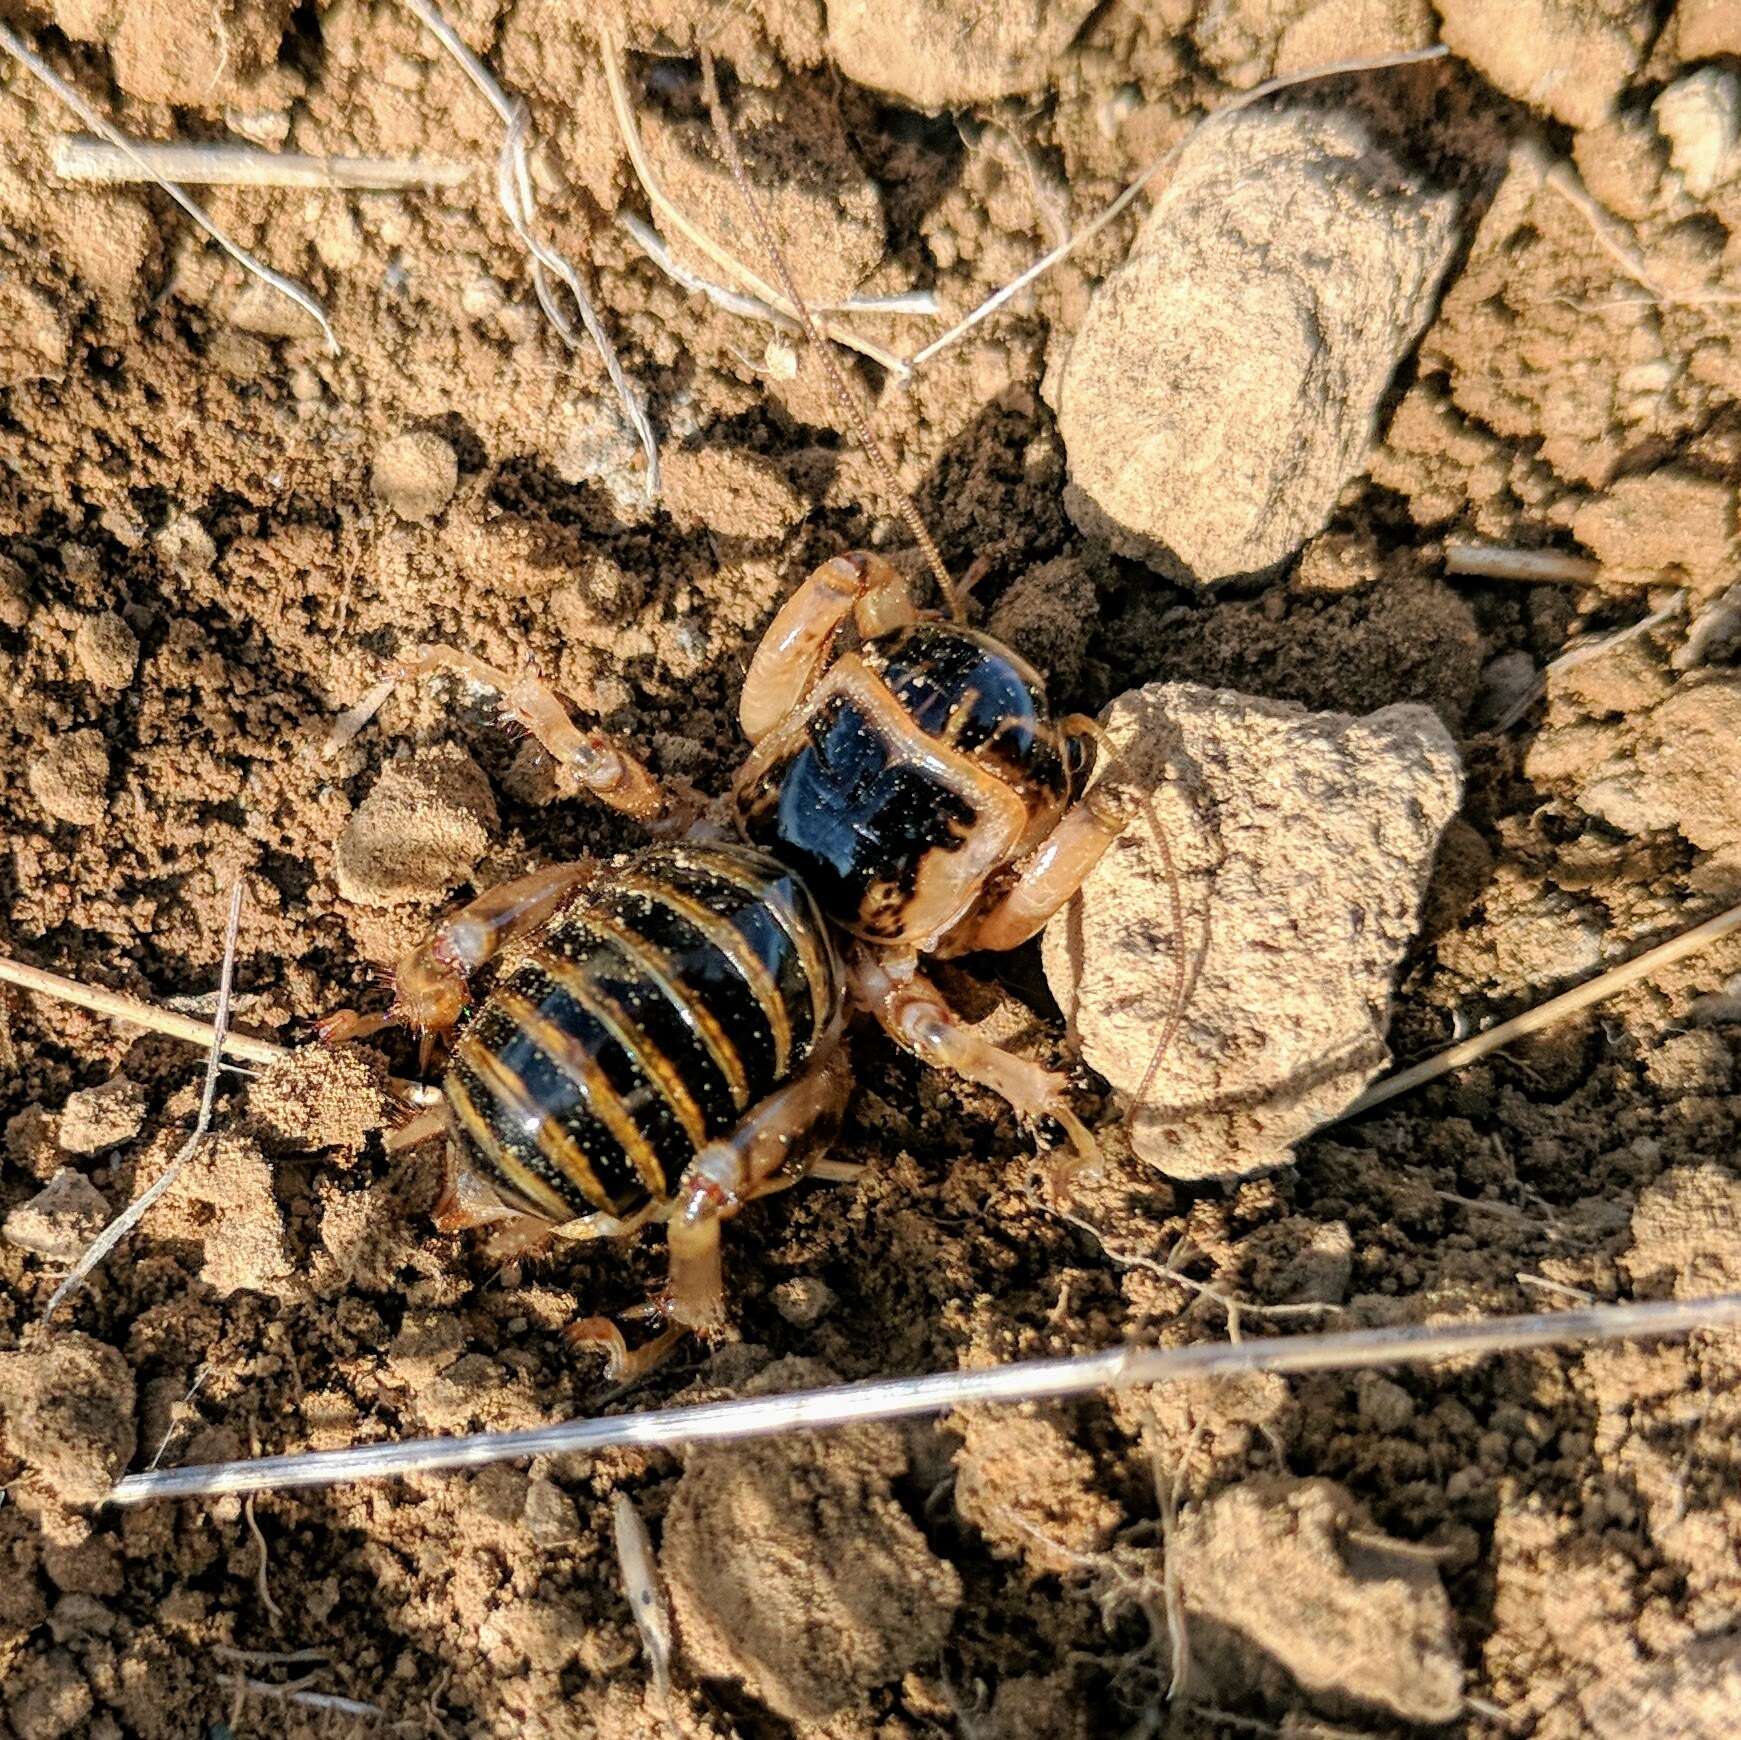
(107, 649)
(60, 1220)
(186, 547)
(70, 776)
(804, 1300)
(415, 474)
(102, 1117)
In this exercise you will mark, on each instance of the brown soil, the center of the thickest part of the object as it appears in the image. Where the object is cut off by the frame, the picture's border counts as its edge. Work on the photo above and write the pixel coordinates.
(213, 534)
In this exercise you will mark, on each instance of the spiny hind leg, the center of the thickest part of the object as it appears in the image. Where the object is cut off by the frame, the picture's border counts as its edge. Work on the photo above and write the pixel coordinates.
(913, 1012)
(774, 1146)
(430, 979)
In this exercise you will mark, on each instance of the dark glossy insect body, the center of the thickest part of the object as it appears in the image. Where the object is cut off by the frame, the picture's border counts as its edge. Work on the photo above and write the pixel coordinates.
(917, 768)
(680, 989)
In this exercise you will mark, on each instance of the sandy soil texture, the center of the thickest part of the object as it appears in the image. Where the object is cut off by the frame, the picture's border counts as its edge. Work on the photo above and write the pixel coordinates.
(1225, 444)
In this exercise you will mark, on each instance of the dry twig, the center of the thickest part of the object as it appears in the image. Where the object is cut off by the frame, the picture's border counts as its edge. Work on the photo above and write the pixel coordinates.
(134, 1212)
(1596, 990)
(150, 1016)
(646, 1596)
(34, 64)
(1502, 562)
(905, 1398)
(210, 163)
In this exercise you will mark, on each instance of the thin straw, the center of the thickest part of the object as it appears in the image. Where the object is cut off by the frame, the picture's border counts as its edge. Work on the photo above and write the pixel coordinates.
(903, 1398)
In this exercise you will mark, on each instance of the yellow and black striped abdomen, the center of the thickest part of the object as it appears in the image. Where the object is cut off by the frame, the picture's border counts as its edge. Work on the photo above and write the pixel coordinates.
(686, 985)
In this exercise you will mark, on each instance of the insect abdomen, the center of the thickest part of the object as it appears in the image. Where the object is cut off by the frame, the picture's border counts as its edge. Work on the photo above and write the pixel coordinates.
(683, 988)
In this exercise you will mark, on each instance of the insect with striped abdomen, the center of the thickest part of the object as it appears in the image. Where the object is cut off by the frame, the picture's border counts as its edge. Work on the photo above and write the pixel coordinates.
(671, 1041)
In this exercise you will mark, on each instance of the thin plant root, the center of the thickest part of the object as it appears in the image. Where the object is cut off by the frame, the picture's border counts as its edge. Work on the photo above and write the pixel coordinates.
(692, 232)
(910, 1397)
(514, 191)
(134, 1212)
(38, 68)
(646, 1595)
(1597, 990)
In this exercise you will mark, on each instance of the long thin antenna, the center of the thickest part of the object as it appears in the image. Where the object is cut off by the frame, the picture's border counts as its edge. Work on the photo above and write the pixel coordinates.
(903, 1398)
(844, 395)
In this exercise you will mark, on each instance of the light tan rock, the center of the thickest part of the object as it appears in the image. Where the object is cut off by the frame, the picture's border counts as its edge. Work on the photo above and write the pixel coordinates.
(102, 1117)
(1307, 840)
(107, 649)
(950, 54)
(60, 1220)
(1226, 380)
(1291, 1574)
(1568, 57)
(1694, 1694)
(1686, 1233)
(415, 474)
(70, 778)
(419, 832)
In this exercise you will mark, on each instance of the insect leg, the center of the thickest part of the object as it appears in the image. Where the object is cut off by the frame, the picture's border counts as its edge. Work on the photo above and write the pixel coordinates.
(1045, 879)
(914, 1013)
(800, 640)
(589, 761)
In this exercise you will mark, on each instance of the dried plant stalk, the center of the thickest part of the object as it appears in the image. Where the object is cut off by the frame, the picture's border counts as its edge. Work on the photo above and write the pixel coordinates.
(207, 163)
(903, 1398)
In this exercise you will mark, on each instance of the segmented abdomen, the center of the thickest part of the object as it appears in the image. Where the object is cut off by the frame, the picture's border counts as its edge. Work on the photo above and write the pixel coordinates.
(683, 987)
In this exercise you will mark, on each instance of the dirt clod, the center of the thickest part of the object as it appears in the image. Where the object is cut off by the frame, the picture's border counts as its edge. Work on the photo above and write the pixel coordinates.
(102, 1117)
(319, 1097)
(68, 1412)
(60, 1220)
(1686, 1233)
(418, 833)
(954, 55)
(1361, 804)
(108, 650)
(1226, 381)
(793, 1568)
(70, 778)
(1291, 1573)
(1569, 57)
(415, 474)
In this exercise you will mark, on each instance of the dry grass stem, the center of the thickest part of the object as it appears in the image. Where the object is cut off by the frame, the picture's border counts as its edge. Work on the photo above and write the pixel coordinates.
(1597, 990)
(519, 204)
(1501, 562)
(905, 1398)
(134, 1212)
(297, 1693)
(34, 64)
(210, 164)
(645, 1594)
(1542, 1282)
(135, 1013)
(845, 397)
(1333, 69)
(698, 238)
(268, 1657)
(260, 1570)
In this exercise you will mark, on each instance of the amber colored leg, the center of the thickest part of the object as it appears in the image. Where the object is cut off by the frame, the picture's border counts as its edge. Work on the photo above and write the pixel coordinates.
(912, 1010)
(588, 761)
(1044, 880)
(800, 640)
(430, 981)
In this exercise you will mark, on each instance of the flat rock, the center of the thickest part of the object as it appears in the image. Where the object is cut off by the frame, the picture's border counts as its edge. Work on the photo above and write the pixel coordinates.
(950, 54)
(60, 1220)
(1226, 381)
(1290, 1574)
(1306, 840)
(102, 1117)
(419, 832)
(69, 778)
(793, 1568)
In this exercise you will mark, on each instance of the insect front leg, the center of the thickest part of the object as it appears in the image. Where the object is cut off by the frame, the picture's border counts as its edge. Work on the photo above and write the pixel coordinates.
(430, 980)
(1045, 880)
(800, 640)
(913, 1012)
(586, 761)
